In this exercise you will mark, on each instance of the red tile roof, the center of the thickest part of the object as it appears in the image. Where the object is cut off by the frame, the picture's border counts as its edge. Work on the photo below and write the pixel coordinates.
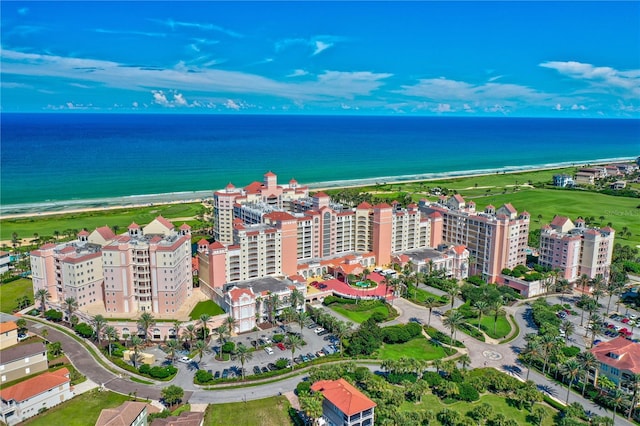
(320, 195)
(134, 226)
(185, 226)
(459, 249)
(435, 214)
(343, 395)
(203, 242)
(83, 233)
(510, 208)
(106, 232)
(559, 220)
(269, 173)
(35, 385)
(236, 293)
(627, 351)
(458, 198)
(278, 216)
(7, 326)
(364, 205)
(167, 224)
(607, 229)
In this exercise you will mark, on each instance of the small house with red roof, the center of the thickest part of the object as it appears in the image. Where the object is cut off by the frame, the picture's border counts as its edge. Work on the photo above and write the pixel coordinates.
(27, 398)
(619, 360)
(8, 334)
(343, 404)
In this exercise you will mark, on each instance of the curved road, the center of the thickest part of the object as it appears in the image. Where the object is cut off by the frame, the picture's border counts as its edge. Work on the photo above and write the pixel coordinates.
(502, 357)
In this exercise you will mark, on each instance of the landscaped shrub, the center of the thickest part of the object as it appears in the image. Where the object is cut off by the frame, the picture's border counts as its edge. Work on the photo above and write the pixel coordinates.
(476, 280)
(203, 377)
(570, 351)
(116, 349)
(144, 369)
(335, 299)
(84, 330)
(467, 392)
(441, 337)
(228, 347)
(401, 333)
(397, 378)
(378, 316)
(53, 315)
(432, 378)
(282, 363)
(277, 338)
(365, 340)
(158, 372)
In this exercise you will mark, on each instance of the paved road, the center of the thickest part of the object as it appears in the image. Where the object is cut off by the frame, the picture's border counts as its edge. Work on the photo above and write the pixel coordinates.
(502, 357)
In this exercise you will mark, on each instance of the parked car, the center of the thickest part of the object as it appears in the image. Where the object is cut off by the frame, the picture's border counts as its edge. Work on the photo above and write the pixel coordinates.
(185, 359)
(312, 325)
(311, 356)
(272, 366)
(265, 369)
(323, 332)
(297, 360)
(256, 369)
(216, 375)
(319, 353)
(318, 330)
(268, 350)
(267, 340)
(304, 358)
(281, 346)
(225, 373)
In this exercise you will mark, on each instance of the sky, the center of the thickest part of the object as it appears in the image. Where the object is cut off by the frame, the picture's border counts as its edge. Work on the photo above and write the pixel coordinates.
(522, 59)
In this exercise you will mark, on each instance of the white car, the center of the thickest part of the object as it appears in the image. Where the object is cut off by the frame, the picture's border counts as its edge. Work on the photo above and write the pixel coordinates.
(268, 350)
(318, 330)
(185, 359)
(267, 340)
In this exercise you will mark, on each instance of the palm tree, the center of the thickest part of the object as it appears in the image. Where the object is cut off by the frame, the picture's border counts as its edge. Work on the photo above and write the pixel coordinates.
(496, 307)
(583, 281)
(42, 295)
(302, 319)
(341, 330)
(176, 329)
(616, 397)
(549, 345)
(230, 322)
(136, 345)
(430, 303)
(530, 352)
(189, 333)
(297, 298)
(634, 384)
(588, 362)
(242, 354)
(199, 349)
(294, 342)
(71, 305)
(145, 322)
(204, 318)
(172, 347)
(273, 303)
(570, 369)
(481, 307)
(221, 330)
(288, 314)
(584, 302)
(453, 320)
(453, 291)
(465, 361)
(568, 328)
(112, 334)
(99, 323)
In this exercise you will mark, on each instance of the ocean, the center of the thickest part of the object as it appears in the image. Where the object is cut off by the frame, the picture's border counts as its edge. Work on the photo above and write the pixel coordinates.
(54, 161)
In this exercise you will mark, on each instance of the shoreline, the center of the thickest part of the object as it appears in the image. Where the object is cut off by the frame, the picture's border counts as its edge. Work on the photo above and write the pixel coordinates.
(136, 201)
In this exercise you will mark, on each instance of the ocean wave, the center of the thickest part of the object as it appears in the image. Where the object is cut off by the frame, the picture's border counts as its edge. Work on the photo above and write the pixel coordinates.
(194, 196)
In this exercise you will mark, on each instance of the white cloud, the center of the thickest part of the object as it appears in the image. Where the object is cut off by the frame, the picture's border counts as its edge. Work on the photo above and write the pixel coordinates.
(321, 47)
(129, 32)
(576, 107)
(597, 77)
(135, 105)
(176, 100)
(298, 73)
(200, 26)
(231, 104)
(558, 107)
(443, 108)
(497, 77)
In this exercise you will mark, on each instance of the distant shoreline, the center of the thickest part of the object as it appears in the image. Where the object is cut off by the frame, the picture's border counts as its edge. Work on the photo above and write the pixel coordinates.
(136, 201)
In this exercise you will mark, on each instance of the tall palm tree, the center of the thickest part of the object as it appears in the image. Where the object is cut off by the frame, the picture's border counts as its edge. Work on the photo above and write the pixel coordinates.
(293, 342)
(453, 291)
(341, 330)
(496, 307)
(634, 384)
(549, 346)
(99, 324)
(199, 349)
(465, 361)
(145, 322)
(616, 397)
(189, 333)
(583, 281)
(204, 318)
(242, 354)
(568, 328)
(481, 307)
(176, 328)
(297, 298)
(453, 320)
(112, 335)
(172, 347)
(570, 369)
(42, 295)
(230, 322)
(302, 319)
(588, 362)
(430, 303)
(584, 302)
(273, 302)
(71, 304)
(530, 352)
(136, 345)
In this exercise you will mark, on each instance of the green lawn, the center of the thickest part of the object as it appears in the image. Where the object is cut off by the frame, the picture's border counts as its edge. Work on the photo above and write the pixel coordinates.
(418, 348)
(46, 225)
(419, 295)
(206, 307)
(499, 404)
(361, 312)
(80, 411)
(264, 412)
(503, 327)
(10, 292)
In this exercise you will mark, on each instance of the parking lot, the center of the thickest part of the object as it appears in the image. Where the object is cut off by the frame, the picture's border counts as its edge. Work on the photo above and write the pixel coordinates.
(267, 352)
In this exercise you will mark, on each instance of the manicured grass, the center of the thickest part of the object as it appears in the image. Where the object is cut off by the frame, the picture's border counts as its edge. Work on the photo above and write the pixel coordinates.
(358, 315)
(10, 292)
(503, 327)
(46, 225)
(499, 404)
(80, 411)
(264, 412)
(419, 295)
(418, 348)
(206, 307)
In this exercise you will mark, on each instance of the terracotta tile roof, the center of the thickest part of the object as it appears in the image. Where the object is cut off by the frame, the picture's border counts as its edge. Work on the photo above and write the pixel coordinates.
(627, 351)
(458, 198)
(124, 415)
(608, 229)
(292, 181)
(35, 385)
(186, 418)
(343, 395)
(254, 187)
(7, 326)
(185, 226)
(509, 208)
(277, 216)
(269, 173)
(320, 195)
(83, 233)
(459, 249)
(134, 226)
(106, 232)
(165, 222)
(203, 242)
(490, 206)
(230, 186)
(559, 220)
(435, 214)
(236, 293)
(382, 206)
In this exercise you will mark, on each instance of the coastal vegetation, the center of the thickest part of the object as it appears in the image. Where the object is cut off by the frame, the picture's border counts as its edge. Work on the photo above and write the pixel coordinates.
(359, 311)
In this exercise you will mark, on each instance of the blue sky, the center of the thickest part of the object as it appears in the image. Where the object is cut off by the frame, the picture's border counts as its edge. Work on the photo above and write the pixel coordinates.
(550, 59)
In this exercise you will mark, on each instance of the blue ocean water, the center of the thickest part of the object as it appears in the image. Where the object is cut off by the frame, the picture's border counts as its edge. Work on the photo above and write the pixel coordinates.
(90, 159)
